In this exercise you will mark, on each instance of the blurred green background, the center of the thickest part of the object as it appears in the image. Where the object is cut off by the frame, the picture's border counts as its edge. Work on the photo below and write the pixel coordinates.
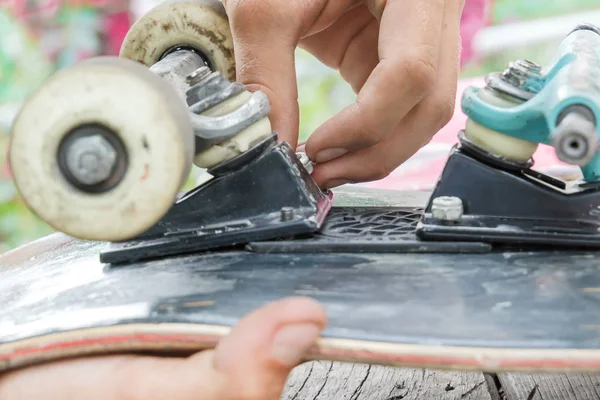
(322, 94)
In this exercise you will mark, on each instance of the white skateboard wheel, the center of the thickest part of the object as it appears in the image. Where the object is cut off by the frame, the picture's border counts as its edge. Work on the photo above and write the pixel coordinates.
(123, 105)
(198, 24)
(495, 142)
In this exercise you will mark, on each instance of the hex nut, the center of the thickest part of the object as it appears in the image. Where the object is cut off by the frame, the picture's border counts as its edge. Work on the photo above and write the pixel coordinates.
(303, 158)
(447, 208)
(91, 159)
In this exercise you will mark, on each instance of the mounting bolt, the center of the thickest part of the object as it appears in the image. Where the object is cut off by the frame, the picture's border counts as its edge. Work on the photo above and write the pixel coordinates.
(306, 162)
(287, 214)
(447, 208)
(197, 76)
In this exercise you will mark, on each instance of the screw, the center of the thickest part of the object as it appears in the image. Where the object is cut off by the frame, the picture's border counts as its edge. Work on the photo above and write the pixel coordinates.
(91, 159)
(447, 208)
(197, 76)
(306, 162)
(287, 214)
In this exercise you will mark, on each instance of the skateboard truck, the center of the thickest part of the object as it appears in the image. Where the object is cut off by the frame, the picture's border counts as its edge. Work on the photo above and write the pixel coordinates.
(265, 192)
(488, 190)
(113, 141)
(267, 196)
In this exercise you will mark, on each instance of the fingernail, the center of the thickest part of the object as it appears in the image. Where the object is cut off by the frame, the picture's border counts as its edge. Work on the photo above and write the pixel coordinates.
(329, 154)
(335, 183)
(301, 148)
(292, 342)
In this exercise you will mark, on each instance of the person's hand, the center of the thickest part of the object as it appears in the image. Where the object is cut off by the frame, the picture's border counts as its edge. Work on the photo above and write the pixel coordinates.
(402, 57)
(252, 363)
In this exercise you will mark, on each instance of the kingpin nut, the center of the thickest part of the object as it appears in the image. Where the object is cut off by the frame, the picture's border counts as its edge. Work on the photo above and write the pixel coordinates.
(520, 72)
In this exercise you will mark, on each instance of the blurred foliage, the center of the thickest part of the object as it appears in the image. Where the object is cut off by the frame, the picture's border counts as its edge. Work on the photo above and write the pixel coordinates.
(17, 224)
(322, 93)
(514, 10)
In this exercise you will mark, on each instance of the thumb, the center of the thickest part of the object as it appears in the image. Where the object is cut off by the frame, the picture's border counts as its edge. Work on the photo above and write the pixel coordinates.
(262, 350)
(253, 362)
(265, 35)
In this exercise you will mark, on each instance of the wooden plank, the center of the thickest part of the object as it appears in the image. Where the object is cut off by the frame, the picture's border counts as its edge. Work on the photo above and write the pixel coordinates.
(322, 380)
(571, 386)
(493, 386)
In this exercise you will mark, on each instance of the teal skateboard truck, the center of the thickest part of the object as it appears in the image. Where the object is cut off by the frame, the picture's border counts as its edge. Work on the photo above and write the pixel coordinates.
(560, 103)
(488, 190)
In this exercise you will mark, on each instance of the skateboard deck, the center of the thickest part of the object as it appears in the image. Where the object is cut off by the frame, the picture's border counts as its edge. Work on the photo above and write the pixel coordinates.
(390, 299)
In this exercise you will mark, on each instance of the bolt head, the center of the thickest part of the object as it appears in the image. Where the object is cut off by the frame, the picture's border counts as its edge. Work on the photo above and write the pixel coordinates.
(287, 214)
(520, 71)
(91, 159)
(447, 208)
(306, 162)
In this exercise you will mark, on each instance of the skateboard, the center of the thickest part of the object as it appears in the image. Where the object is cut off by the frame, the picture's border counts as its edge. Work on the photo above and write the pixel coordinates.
(389, 300)
(496, 269)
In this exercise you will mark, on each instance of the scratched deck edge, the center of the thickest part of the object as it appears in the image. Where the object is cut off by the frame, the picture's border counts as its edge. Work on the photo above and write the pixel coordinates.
(191, 338)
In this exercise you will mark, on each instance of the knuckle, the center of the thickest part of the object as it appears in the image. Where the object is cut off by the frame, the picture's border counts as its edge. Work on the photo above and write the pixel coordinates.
(246, 15)
(443, 109)
(381, 171)
(368, 138)
(257, 18)
(420, 68)
(370, 133)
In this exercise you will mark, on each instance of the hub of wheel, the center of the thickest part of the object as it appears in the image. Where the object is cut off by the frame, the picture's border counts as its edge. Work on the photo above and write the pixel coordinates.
(92, 158)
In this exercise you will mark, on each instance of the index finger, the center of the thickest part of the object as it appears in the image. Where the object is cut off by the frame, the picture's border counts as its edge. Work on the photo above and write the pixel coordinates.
(265, 40)
(409, 47)
(408, 53)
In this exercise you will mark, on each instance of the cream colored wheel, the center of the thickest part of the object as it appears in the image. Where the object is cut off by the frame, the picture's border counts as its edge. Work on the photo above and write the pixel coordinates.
(495, 142)
(102, 149)
(201, 25)
(238, 144)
